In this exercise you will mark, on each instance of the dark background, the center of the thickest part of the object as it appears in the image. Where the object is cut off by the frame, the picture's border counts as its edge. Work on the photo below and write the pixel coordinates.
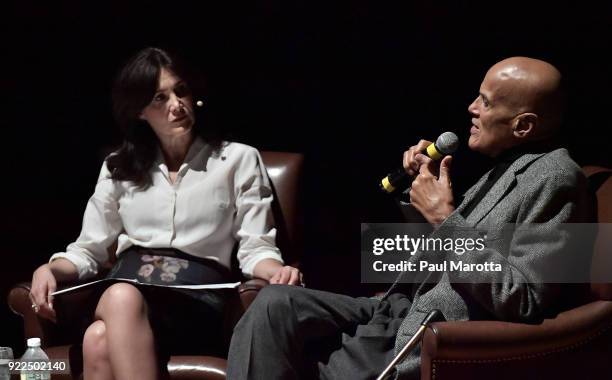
(351, 84)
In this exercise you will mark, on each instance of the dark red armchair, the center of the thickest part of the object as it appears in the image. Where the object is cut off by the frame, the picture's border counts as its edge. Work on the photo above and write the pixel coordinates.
(576, 344)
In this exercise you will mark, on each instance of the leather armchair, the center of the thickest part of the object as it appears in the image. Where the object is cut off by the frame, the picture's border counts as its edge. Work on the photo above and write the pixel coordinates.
(62, 342)
(575, 344)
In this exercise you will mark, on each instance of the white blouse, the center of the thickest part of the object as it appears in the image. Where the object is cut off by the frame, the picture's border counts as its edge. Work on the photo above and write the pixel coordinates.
(217, 199)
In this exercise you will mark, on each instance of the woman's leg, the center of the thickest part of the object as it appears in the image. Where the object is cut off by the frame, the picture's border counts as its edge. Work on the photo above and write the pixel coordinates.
(96, 362)
(129, 337)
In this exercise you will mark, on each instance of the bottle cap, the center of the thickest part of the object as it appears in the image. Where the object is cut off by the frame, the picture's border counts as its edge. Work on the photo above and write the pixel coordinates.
(34, 342)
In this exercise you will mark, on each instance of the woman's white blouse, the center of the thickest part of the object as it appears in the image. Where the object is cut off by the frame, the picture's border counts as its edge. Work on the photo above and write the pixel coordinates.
(218, 199)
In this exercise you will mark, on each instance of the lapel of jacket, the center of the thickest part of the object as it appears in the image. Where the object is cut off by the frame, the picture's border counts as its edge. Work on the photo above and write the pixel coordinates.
(505, 183)
(499, 190)
(471, 192)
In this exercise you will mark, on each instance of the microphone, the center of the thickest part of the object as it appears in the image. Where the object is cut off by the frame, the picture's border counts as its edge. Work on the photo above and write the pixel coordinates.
(399, 180)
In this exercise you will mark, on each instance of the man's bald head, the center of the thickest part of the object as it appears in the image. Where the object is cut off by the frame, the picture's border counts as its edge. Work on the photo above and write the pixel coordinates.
(531, 85)
(519, 101)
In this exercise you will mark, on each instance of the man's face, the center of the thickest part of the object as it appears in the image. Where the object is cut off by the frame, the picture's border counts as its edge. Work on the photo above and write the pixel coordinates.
(493, 115)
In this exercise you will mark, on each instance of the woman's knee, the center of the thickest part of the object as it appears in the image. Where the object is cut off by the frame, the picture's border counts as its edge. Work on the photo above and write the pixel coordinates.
(94, 342)
(122, 297)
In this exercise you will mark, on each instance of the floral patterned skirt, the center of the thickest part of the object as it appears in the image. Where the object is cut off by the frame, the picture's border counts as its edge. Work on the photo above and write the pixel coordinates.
(167, 266)
(183, 321)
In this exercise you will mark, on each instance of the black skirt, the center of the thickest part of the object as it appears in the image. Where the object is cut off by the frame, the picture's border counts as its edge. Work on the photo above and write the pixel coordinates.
(193, 322)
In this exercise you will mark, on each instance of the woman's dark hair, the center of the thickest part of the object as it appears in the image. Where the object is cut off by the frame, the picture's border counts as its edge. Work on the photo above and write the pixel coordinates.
(133, 90)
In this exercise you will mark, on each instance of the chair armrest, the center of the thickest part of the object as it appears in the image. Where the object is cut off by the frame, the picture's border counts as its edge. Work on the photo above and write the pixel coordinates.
(471, 343)
(70, 309)
(19, 302)
(197, 367)
(493, 339)
(248, 291)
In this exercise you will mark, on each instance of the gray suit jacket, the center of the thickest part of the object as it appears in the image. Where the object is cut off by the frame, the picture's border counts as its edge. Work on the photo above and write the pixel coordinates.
(544, 188)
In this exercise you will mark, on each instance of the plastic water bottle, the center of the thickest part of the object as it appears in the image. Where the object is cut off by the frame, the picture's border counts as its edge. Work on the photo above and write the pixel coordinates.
(35, 353)
(6, 354)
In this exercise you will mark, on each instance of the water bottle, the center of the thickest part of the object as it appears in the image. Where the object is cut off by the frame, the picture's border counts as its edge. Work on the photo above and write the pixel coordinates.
(6, 354)
(35, 353)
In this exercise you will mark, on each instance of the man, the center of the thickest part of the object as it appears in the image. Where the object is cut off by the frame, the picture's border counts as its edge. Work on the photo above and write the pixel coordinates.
(292, 333)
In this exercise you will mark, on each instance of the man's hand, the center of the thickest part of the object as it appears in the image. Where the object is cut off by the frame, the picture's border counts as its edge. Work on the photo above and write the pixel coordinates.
(432, 196)
(411, 165)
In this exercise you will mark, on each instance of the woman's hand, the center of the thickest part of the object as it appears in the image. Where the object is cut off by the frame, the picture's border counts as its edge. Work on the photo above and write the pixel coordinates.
(276, 273)
(287, 275)
(43, 284)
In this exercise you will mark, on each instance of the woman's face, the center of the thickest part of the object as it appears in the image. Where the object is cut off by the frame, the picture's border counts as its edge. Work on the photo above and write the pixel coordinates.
(170, 113)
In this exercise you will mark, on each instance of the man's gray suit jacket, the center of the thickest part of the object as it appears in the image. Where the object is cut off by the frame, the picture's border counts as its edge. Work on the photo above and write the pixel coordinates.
(544, 188)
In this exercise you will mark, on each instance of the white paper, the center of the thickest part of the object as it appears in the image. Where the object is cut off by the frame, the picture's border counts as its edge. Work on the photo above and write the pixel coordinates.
(231, 285)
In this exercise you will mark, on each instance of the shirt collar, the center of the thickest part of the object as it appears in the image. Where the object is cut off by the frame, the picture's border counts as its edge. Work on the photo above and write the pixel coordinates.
(197, 146)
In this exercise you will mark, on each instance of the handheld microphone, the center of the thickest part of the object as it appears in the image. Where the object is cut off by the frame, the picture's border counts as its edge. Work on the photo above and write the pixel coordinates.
(399, 180)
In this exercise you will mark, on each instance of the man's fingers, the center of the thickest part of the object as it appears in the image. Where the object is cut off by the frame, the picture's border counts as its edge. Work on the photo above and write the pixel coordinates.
(411, 165)
(407, 162)
(414, 164)
(422, 145)
(445, 166)
(423, 161)
(419, 156)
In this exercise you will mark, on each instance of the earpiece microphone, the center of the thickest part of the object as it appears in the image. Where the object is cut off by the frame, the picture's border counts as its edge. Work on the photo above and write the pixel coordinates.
(399, 180)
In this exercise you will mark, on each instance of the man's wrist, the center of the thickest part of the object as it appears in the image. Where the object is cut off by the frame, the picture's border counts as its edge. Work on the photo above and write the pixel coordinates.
(445, 213)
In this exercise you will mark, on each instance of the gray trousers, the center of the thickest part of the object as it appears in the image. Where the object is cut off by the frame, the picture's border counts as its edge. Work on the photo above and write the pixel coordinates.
(291, 332)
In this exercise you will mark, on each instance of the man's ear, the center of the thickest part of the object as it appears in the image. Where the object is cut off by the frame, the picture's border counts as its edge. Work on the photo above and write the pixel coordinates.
(141, 116)
(525, 125)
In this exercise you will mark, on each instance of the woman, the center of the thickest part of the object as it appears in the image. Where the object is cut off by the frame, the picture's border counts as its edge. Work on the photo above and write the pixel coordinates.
(172, 197)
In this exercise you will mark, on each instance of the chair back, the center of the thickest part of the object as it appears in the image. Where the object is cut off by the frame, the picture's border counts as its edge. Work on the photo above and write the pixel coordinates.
(285, 171)
(600, 180)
